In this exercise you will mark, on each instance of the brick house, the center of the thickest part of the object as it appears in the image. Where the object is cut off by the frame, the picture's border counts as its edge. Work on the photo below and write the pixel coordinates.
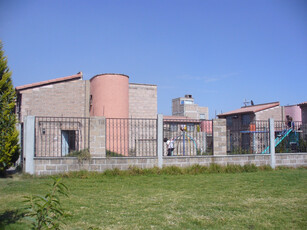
(63, 106)
(247, 127)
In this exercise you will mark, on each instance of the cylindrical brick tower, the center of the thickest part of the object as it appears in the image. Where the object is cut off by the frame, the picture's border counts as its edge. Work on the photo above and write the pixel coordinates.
(110, 99)
(110, 95)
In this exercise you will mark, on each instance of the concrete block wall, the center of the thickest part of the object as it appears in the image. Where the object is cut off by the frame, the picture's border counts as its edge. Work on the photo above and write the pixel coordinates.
(97, 137)
(49, 166)
(219, 137)
(142, 101)
(68, 99)
(277, 113)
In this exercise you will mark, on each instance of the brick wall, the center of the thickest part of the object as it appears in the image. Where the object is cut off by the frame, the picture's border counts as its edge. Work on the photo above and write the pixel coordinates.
(50, 166)
(142, 101)
(67, 99)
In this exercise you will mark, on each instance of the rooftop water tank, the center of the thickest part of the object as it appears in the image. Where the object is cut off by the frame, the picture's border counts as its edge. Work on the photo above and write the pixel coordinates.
(110, 96)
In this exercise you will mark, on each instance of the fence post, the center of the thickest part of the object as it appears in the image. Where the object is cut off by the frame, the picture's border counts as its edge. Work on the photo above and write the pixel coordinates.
(29, 144)
(97, 137)
(160, 140)
(219, 137)
(19, 128)
(272, 143)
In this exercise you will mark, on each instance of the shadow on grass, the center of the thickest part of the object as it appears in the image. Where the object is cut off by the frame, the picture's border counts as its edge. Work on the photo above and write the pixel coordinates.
(9, 217)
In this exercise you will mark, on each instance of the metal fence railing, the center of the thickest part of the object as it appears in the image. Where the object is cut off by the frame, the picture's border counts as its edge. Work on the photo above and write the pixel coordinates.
(131, 137)
(290, 137)
(254, 137)
(59, 136)
(247, 139)
(188, 137)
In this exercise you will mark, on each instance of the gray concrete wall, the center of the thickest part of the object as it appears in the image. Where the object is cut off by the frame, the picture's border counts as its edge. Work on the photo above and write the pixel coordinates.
(142, 101)
(97, 137)
(219, 137)
(65, 99)
(48, 166)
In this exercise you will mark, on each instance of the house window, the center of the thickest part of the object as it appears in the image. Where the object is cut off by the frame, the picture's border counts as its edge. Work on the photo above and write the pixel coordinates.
(69, 141)
(202, 116)
(246, 119)
(186, 102)
(229, 121)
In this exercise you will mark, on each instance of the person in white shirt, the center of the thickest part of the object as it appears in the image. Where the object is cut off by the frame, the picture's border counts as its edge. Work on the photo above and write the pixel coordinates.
(170, 146)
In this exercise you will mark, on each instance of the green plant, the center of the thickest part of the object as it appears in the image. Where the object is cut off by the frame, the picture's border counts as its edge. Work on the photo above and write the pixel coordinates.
(302, 145)
(9, 147)
(45, 212)
(110, 153)
(82, 155)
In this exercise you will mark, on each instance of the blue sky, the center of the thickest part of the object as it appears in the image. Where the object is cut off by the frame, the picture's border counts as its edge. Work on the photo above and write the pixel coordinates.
(220, 51)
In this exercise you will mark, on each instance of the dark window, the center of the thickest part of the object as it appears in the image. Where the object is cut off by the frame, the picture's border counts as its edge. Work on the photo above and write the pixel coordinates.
(246, 119)
(69, 141)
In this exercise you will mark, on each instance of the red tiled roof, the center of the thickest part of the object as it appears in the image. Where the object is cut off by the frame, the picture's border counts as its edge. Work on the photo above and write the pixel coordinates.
(52, 81)
(250, 109)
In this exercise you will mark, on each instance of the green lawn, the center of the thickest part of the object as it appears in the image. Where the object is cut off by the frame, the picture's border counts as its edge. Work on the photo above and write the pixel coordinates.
(256, 200)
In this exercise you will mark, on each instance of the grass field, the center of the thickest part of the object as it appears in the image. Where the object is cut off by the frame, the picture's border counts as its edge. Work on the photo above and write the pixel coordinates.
(256, 200)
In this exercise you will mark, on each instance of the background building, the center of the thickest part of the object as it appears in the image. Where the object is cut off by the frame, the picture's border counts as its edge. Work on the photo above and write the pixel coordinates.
(185, 106)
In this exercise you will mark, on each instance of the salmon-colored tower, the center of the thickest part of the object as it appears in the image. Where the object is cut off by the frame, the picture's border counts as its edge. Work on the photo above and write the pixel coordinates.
(110, 99)
(110, 95)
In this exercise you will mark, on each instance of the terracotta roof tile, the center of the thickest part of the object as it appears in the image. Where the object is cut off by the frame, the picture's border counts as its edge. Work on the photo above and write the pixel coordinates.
(48, 82)
(250, 109)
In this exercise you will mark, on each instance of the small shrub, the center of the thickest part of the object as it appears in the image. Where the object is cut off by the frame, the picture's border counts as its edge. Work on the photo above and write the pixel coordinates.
(196, 169)
(215, 168)
(250, 168)
(172, 170)
(233, 169)
(265, 168)
(82, 155)
(133, 170)
(113, 172)
(45, 212)
(152, 171)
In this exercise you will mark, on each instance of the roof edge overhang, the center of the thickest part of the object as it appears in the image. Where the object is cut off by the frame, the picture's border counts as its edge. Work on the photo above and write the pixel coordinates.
(78, 76)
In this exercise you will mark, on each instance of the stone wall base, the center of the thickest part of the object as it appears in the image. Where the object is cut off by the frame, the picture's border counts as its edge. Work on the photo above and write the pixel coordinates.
(49, 166)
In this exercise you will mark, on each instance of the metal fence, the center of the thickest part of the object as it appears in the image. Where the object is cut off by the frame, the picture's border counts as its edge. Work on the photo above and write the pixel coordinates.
(254, 137)
(131, 137)
(189, 137)
(60, 136)
(290, 137)
(247, 139)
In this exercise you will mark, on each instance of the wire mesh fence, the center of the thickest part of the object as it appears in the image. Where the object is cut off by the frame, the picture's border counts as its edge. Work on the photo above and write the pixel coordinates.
(60, 136)
(187, 137)
(131, 137)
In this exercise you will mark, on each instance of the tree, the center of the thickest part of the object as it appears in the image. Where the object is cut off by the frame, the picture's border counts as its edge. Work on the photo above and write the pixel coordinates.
(9, 147)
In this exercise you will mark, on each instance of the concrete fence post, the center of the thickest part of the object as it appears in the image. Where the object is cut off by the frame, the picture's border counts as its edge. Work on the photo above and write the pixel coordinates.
(97, 136)
(29, 144)
(219, 137)
(19, 128)
(272, 143)
(160, 140)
